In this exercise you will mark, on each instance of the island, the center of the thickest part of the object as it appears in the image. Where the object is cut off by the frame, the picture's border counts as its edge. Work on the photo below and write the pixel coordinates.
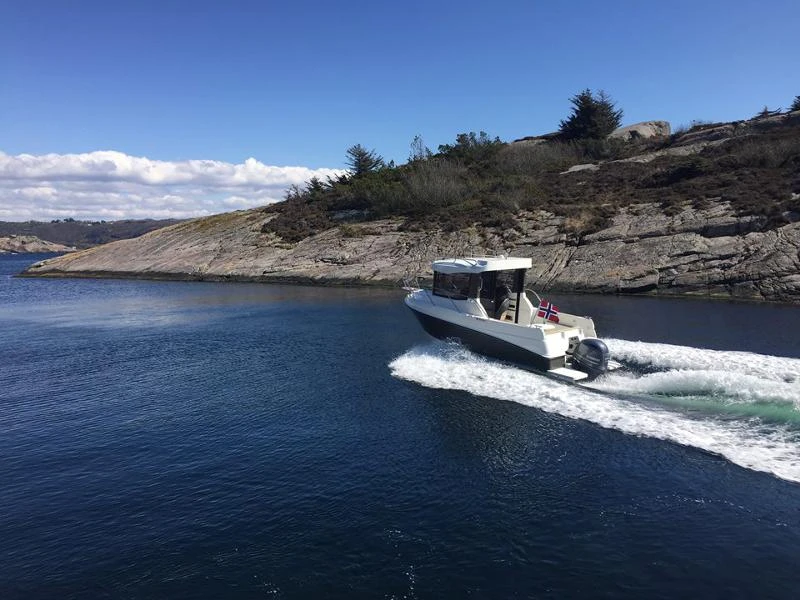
(711, 210)
(30, 244)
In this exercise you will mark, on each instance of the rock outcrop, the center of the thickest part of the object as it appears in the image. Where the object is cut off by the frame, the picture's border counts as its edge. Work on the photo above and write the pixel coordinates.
(708, 252)
(17, 244)
(641, 131)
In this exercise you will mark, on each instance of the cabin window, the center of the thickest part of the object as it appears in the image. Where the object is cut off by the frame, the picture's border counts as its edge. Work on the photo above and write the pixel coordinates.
(496, 286)
(452, 285)
(507, 280)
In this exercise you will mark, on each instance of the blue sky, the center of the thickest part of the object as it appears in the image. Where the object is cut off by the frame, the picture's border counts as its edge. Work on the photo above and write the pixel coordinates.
(296, 83)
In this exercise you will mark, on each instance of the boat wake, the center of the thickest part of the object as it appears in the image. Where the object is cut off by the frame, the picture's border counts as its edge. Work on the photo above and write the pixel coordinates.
(668, 356)
(713, 381)
(742, 406)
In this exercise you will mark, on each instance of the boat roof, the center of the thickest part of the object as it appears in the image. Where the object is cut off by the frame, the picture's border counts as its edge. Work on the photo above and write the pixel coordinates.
(481, 264)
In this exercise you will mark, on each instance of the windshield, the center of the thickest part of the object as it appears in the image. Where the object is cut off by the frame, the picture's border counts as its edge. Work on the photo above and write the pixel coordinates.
(451, 285)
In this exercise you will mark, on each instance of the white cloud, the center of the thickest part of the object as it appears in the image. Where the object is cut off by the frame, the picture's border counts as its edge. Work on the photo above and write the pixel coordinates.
(111, 185)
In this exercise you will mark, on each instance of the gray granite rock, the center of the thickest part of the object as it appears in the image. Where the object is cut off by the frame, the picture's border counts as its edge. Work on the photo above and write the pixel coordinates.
(18, 244)
(709, 252)
(643, 130)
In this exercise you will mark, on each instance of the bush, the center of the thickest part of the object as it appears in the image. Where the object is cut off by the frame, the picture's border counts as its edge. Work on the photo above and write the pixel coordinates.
(602, 149)
(762, 154)
(678, 171)
(435, 184)
(349, 230)
(530, 158)
(471, 147)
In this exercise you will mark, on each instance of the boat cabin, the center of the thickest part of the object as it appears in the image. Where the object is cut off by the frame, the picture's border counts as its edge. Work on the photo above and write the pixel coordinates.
(497, 283)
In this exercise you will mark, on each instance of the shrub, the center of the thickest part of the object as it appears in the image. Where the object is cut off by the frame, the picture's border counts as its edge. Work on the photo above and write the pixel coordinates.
(351, 231)
(471, 147)
(435, 184)
(602, 149)
(529, 158)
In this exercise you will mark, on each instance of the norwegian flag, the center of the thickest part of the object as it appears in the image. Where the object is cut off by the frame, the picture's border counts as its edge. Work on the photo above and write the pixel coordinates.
(548, 311)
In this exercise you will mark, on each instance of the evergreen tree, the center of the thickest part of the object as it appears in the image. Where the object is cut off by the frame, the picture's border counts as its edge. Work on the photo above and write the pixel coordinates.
(766, 112)
(315, 185)
(361, 161)
(593, 117)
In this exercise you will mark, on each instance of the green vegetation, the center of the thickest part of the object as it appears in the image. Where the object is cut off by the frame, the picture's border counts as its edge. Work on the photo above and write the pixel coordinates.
(362, 161)
(480, 181)
(419, 151)
(593, 117)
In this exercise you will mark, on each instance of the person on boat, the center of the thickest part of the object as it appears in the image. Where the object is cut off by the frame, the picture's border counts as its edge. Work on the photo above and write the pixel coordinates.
(502, 299)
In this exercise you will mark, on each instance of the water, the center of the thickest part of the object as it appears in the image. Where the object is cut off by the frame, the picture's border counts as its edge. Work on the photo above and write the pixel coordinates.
(187, 440)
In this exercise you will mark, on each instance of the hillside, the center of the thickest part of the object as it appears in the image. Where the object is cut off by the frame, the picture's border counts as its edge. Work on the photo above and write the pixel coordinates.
(711, 211)
(752, 165)
(82, 234)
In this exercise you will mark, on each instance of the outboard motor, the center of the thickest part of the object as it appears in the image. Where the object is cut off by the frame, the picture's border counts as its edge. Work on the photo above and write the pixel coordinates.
(591, 356)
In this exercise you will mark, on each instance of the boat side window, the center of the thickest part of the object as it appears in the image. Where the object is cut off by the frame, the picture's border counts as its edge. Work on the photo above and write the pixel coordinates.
(506, 282)
(451, 285)
(487, 285)
(487, 291)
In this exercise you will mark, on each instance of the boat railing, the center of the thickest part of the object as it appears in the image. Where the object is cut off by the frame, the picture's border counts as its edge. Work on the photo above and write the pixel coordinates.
(538, 298)
(411, 283)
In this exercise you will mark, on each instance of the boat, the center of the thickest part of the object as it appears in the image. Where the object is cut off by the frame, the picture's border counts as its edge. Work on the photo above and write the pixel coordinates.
(482, 302)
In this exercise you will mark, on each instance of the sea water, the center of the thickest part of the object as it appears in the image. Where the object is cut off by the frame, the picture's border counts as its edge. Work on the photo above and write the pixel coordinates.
(203, 440)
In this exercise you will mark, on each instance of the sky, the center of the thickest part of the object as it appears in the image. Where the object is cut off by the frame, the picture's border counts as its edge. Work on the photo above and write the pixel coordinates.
(168, 108)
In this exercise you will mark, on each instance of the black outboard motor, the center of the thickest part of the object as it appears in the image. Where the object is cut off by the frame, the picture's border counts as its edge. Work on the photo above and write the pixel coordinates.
(591, 356)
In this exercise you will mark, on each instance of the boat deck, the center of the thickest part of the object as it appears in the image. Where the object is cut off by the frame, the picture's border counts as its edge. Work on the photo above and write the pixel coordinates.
(553, 328)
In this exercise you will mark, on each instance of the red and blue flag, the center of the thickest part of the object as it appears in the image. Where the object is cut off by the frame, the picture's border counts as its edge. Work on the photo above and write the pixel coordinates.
(548, 311)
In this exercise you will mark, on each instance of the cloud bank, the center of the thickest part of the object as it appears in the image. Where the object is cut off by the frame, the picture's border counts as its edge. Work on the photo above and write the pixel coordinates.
(109, 185)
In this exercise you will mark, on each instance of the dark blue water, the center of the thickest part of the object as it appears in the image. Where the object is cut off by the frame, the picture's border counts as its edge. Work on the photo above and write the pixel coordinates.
(189, 440)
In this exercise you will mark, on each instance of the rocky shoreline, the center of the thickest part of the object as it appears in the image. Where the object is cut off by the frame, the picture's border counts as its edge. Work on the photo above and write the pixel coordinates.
(29, 244)
(708, 252)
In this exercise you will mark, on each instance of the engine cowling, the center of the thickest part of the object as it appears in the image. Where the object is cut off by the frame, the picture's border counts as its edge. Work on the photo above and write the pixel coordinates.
(591, 357)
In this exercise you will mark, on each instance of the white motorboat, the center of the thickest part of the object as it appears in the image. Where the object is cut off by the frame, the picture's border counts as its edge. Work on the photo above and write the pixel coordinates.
(483, 303)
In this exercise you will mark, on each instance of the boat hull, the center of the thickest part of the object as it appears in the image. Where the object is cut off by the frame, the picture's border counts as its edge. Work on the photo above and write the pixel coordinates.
(488, 345)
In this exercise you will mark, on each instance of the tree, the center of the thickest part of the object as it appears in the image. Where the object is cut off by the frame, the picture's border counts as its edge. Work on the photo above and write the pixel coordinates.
(315, 186)
(766, 112)
(593, 117)
(471, 147)
(361, 161)
(419, 151)
(795, 104)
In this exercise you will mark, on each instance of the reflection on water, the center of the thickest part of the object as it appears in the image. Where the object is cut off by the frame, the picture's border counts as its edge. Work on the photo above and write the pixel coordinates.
(127, 303)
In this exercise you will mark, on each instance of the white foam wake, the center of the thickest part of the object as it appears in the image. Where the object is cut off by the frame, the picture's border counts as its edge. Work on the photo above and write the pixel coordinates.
(667, 356)
(725, 387)
(774, 449)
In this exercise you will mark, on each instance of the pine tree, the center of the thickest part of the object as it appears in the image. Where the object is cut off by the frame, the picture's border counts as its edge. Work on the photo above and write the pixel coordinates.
(593, 117)
(361, 161)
